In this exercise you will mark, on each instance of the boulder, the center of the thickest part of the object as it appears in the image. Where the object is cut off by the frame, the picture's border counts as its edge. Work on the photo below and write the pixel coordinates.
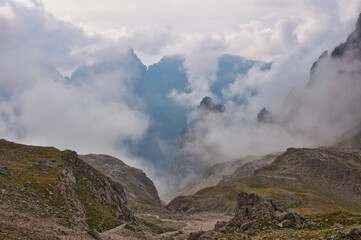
(5, 171)
(253, 211)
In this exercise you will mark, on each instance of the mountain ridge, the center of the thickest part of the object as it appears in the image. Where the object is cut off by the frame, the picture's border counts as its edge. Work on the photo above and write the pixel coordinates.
(60, 194)
(138, 187)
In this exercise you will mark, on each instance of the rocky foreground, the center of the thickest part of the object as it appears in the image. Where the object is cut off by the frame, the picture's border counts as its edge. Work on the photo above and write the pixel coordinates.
(255, 218)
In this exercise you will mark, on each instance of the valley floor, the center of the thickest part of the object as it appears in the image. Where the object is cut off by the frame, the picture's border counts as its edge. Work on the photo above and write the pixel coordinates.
(158, 223)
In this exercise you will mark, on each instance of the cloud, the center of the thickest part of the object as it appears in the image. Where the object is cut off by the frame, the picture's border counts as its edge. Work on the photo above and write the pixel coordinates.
(305, 115)
(94, 113)
(260, 30)
(6, 12)
(201, 64)
(312, 116)
(298, 36)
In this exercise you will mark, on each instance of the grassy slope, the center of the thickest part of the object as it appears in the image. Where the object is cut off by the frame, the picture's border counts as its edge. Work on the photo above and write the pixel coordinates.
(34, 191)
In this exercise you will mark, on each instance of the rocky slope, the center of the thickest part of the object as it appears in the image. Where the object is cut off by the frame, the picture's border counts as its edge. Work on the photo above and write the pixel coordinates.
(309, 180)
(50, 194)
(257, 218)
(137, 186)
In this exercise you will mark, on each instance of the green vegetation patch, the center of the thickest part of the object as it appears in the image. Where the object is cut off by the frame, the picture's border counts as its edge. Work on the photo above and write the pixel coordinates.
(158, 229)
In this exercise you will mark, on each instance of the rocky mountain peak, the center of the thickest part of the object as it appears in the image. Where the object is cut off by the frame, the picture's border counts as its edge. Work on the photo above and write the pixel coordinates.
(207, 104)
(352, 46)
(265, 116)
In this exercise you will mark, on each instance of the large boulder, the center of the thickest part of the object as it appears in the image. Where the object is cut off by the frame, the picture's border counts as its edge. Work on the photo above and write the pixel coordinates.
(253, 211)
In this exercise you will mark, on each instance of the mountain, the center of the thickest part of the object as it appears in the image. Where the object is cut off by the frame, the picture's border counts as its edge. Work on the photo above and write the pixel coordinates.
(46, 194)
(137, 186)
(192, 156)
(151, 87)
(167, 117)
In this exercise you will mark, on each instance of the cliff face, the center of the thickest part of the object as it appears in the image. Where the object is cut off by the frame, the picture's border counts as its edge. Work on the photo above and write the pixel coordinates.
(138, 187)
(46, 193)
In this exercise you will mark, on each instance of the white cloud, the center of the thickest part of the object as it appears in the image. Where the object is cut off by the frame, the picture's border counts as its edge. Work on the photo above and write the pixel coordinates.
(26, 3)
(262, 30)
(303, 34)
(96, 113)
(201, 63)
(6, 12)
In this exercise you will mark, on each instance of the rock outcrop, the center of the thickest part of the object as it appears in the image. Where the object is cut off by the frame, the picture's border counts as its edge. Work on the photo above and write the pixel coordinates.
(253, 212)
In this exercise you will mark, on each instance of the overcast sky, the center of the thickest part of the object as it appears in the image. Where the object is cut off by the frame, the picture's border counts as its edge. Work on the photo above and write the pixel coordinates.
(259, 29)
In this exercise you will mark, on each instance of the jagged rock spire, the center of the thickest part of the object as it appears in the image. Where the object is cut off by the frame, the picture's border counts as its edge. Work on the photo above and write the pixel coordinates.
(207, 104)
(352, 45)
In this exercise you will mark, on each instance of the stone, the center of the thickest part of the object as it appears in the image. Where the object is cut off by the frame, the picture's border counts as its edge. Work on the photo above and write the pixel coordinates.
(5, 171)
(219, 226)
(252, 212)
(286, 223)
(42, 164)
(95, 234)
(195, 235)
